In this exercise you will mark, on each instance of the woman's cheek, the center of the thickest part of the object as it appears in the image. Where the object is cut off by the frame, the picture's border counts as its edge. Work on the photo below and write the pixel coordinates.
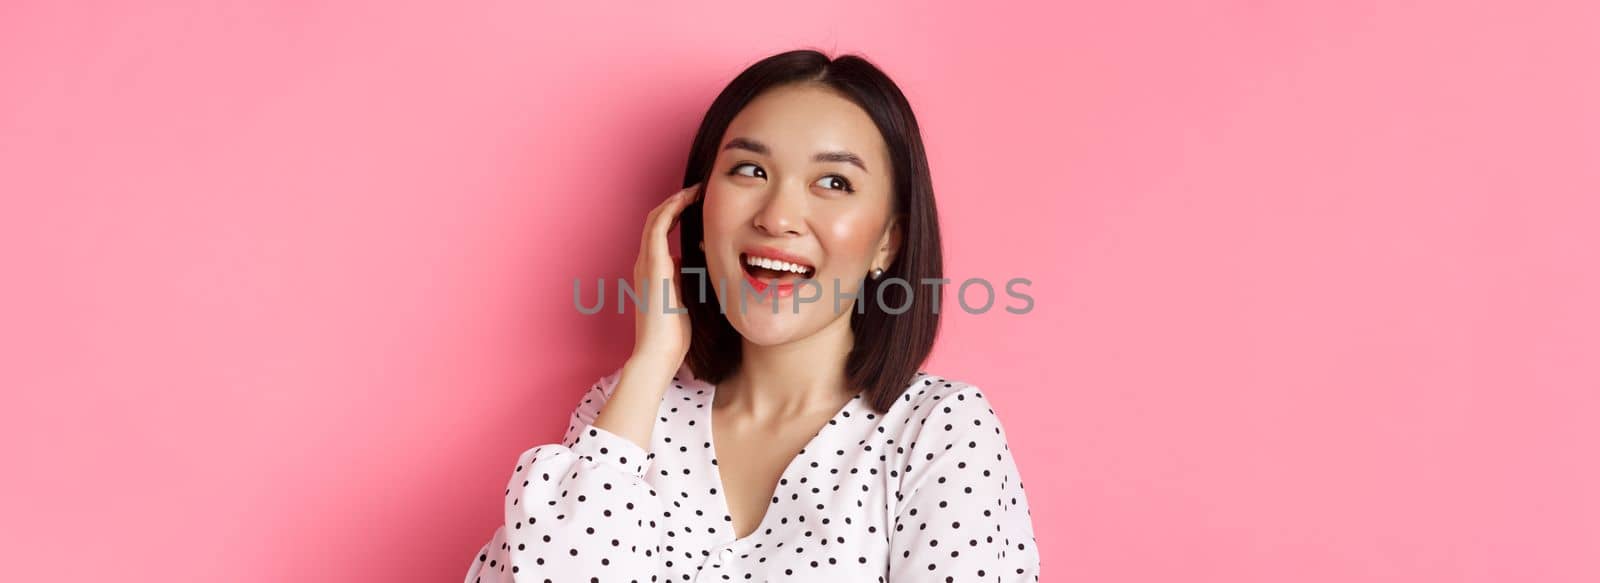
(715, 218)
(850, 236)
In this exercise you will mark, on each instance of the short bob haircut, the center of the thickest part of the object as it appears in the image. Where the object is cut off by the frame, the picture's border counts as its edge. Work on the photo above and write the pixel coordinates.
(889, 348)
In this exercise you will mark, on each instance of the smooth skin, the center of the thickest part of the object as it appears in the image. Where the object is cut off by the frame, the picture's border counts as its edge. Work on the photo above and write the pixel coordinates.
(834, 213)
(660, 339)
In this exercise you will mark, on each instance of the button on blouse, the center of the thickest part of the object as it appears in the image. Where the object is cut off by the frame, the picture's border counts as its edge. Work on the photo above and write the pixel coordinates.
(925, 492)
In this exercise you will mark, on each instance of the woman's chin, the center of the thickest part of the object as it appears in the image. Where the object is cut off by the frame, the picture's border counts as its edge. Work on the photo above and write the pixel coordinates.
(761, 327)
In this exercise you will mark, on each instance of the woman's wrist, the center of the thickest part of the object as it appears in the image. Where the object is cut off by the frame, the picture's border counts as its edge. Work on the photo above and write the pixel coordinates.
(630, 412)
(653, 364)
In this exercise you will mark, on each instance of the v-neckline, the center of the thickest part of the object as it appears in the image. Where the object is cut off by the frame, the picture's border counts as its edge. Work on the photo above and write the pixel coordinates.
(722, 488)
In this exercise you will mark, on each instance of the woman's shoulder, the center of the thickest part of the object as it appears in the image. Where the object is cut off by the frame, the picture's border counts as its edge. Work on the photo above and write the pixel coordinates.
(934, 400)
(953, 407)
(929, 392)
(947, 423)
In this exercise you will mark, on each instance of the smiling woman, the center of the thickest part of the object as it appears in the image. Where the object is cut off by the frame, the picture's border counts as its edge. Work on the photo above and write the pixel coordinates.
(767, 444)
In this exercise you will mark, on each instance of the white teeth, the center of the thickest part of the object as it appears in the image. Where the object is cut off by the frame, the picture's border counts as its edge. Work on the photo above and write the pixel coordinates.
(775, 264)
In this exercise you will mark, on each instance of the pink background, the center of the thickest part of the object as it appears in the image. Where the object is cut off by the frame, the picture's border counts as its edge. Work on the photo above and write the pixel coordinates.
(288, 287)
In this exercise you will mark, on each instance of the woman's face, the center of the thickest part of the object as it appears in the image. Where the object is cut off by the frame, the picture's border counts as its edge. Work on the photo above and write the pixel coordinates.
(801, 175)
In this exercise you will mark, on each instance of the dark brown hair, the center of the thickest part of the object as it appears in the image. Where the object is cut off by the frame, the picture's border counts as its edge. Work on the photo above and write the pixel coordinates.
(889, 348)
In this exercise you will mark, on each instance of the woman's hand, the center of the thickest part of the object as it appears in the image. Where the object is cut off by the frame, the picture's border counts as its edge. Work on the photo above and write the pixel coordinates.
(658, 336)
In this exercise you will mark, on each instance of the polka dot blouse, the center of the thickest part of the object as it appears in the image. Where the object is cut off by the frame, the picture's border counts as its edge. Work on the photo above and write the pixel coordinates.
(925, 492)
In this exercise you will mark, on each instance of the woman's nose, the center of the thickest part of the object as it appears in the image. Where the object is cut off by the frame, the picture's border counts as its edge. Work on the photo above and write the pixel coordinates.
(784, 212)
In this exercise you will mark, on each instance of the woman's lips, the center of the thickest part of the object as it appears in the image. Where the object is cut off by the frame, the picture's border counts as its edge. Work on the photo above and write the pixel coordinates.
(785, 289)
(775, 253)
(784, 280)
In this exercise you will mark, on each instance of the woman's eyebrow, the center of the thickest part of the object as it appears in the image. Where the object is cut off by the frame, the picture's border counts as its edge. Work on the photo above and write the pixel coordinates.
(841, 156)
(762, 149)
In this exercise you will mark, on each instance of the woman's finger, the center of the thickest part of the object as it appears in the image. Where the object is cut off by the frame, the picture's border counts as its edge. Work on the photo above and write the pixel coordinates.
(665, 217)
(694, 195)
(652, 220)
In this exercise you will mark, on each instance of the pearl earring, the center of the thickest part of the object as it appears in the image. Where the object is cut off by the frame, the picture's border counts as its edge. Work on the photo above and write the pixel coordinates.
(877, 272)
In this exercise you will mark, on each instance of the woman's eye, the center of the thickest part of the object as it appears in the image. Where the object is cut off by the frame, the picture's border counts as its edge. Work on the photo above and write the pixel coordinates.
(836, 182)
(759, 173)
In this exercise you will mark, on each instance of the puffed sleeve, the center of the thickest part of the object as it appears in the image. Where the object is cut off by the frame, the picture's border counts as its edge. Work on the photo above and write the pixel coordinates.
(961, 512)
(581, 507)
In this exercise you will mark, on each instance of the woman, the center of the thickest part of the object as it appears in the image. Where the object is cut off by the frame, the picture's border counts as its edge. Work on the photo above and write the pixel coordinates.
(777, 427)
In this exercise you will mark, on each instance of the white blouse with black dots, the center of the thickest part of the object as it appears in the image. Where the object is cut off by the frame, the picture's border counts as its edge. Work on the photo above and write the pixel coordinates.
(925, 492)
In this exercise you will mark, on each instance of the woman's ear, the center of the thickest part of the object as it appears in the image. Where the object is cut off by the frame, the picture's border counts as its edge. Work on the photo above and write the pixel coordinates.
(889, 244)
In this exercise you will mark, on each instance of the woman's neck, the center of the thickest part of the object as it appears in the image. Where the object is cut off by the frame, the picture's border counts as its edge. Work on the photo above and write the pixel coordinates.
(793, 379)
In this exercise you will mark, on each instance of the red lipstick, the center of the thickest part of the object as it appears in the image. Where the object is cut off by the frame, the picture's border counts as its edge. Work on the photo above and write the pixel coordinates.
(784, 289)
(779, 254)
